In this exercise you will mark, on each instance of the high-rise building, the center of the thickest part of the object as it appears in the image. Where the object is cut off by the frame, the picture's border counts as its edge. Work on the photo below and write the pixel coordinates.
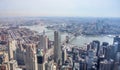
(50, 66)
(115, 47)
(43, 42)
(10, 49)
(104, 47)
(118, 57)
(20, 54)
(117, 40)
(13, 65)
(31, 58)
(41, 66)
(64, 56)
(106, 65)
(96, 46)
(82, 65)
(90, 58)
(40, 59)
(57, 48)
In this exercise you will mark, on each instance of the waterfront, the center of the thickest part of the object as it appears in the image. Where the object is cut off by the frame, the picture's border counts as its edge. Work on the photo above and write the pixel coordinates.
(79, 41)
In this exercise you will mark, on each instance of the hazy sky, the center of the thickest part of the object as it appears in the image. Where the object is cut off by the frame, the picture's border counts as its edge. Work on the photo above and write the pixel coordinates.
(81, 8)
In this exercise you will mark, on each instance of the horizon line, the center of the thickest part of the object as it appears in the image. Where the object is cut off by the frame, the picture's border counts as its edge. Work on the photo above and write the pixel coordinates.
(58, 17)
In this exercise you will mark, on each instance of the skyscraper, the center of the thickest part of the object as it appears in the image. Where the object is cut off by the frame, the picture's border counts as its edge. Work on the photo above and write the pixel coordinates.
(43, 42)
(82, 65)
(57, 48)
(96, 45)
(117, 40)
(31, 57)
(40, 59)
(64, 56)
(11, 45)
(106, 65)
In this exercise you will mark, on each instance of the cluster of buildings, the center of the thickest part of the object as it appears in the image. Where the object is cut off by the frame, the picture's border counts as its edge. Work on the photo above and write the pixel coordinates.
(23, 49)
(96, 56)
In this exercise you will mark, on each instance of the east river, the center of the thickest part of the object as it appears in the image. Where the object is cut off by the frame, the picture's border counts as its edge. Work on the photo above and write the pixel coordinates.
(79, 41)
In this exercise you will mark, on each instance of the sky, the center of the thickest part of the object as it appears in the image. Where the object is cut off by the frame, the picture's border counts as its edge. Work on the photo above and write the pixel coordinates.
(69, 8)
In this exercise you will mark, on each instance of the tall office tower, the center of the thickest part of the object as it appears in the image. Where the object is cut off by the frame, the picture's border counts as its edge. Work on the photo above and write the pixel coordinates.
(43, 42)
(117, 40)
(47, 66)
(11, 49)
(96, 46)
(88, 47)
(105, 44)
(105, 49)
(76, 66)
(20, 54)
(109, 53)
(31, 58)
(1, 59)
(118, 57)
(115, 47)
(57, 48)
(50, 66)
(41, 66)
(40, 59)
(13, 65)
(67, 39)
(106, 65)
(64, 55)
(82, 65)
(118, 49)
(91, 58)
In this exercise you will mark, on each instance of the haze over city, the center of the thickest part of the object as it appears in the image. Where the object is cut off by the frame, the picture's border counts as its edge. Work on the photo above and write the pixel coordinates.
(69, 8)
(59, 34)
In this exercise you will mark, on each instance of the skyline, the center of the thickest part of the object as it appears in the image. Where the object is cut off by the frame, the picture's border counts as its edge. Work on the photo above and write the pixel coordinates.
(69, 8)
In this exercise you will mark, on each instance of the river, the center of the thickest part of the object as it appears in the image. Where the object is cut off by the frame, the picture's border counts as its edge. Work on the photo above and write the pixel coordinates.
(79, 41)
